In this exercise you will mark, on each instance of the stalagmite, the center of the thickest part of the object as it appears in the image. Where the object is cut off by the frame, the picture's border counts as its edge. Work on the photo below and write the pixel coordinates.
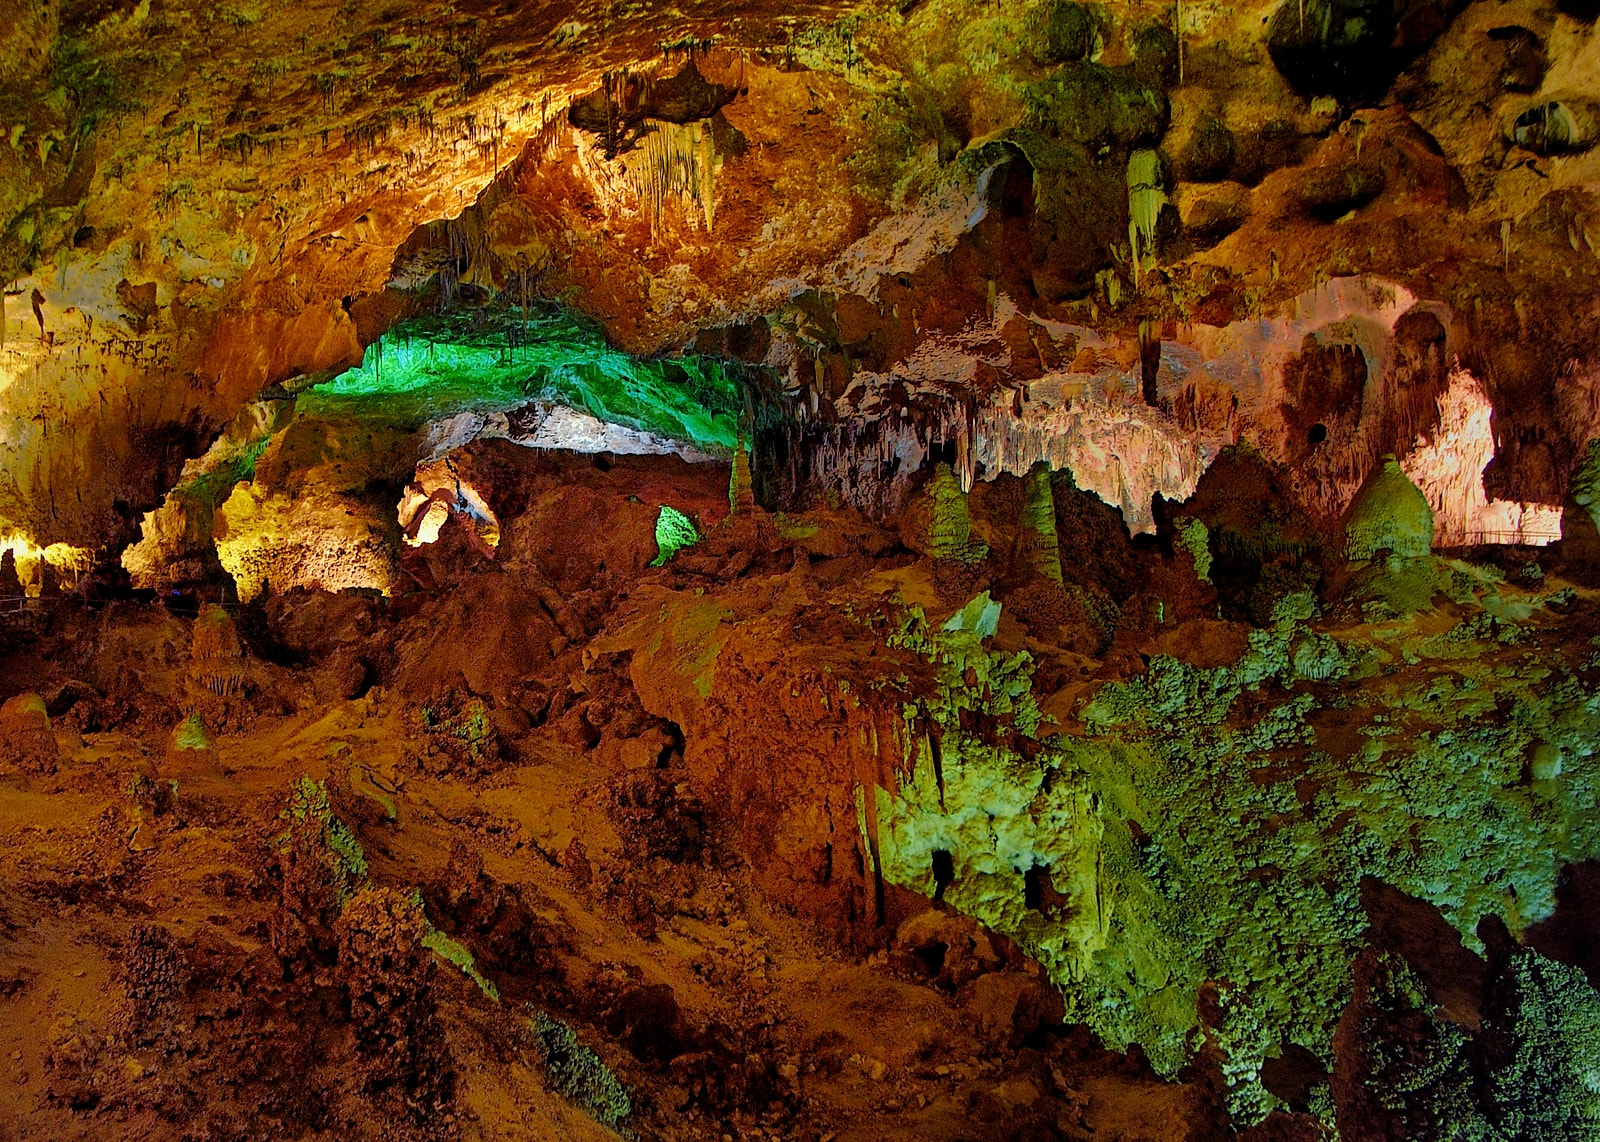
(949, 524)
(1037, 548)
(741, 490)
(1156, 693)
(1389, 514)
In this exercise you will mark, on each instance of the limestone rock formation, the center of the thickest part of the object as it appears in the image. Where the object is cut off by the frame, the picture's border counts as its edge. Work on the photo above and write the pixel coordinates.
(920, 571)
(1389, 514)
(30, 743)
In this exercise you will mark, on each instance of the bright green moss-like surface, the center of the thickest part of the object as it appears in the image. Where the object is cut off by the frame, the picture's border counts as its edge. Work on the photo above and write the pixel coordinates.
(1194, 538)
(1547, 1088)
(309, 809)
(453, 951)
(468, 724)
(1195, 835)
(578, 1073)
(428, 369)
(1038, 548)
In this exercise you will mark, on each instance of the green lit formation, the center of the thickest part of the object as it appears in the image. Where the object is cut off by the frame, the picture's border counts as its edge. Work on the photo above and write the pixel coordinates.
(1389, 513)
(950, 525)
(741, 485)
(310, 810)
(431, 368)
(191, 733)
(577, 1073)
(452, 951)
(1586, 483)
(1039, 551)
(1185, 852)
(1145, 200)
(1547, 1086)
(674, 532)
(310, 814)
(1195, 538)
(469, 725)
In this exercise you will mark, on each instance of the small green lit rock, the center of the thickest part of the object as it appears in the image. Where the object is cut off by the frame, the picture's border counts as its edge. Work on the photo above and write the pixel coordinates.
(674, 531)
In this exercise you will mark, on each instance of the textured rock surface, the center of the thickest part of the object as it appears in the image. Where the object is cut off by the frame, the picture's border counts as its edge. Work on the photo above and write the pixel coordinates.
(197, 209)
(941, 571)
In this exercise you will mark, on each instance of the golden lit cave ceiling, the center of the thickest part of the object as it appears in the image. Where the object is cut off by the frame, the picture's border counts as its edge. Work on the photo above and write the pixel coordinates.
(931, 226)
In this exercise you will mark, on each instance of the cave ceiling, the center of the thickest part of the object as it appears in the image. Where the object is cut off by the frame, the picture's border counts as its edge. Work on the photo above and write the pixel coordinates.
(1113, 237)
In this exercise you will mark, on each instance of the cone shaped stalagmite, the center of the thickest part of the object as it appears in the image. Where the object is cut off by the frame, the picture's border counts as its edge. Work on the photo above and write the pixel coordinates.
(1389, 513)
(217, 652)
(27, 743)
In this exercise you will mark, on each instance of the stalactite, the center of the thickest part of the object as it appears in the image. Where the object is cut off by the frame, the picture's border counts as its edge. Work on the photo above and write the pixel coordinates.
(675, 161)
(1149, 361)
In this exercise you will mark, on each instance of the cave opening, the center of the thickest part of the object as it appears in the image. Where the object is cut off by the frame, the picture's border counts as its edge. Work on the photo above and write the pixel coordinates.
(944, 872)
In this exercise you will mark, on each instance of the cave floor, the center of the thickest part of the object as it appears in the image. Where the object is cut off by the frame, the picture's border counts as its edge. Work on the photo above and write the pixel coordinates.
(619, 806)
(829, 1045)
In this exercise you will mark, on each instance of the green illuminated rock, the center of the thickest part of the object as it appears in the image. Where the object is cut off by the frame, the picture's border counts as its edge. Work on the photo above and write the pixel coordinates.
(429, 369)
(579, 1074)
(451, 950)
(1038, 551)
(1195, 538)
(1177, 865)
(980, 617)
(1389, 513)
(312, 824)
(1586, 482)
(192, 734)
(950, 526)
(1145, 200)
(1545, 1085)
(674, 532)
(1067, 33)
(1580, 517)
(1403, 1072)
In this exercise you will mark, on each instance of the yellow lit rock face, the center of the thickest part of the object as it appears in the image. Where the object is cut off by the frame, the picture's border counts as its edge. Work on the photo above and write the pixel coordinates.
(33, 562)
(437, 493)
(175, 547)
(321, 541)
(196, 204)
